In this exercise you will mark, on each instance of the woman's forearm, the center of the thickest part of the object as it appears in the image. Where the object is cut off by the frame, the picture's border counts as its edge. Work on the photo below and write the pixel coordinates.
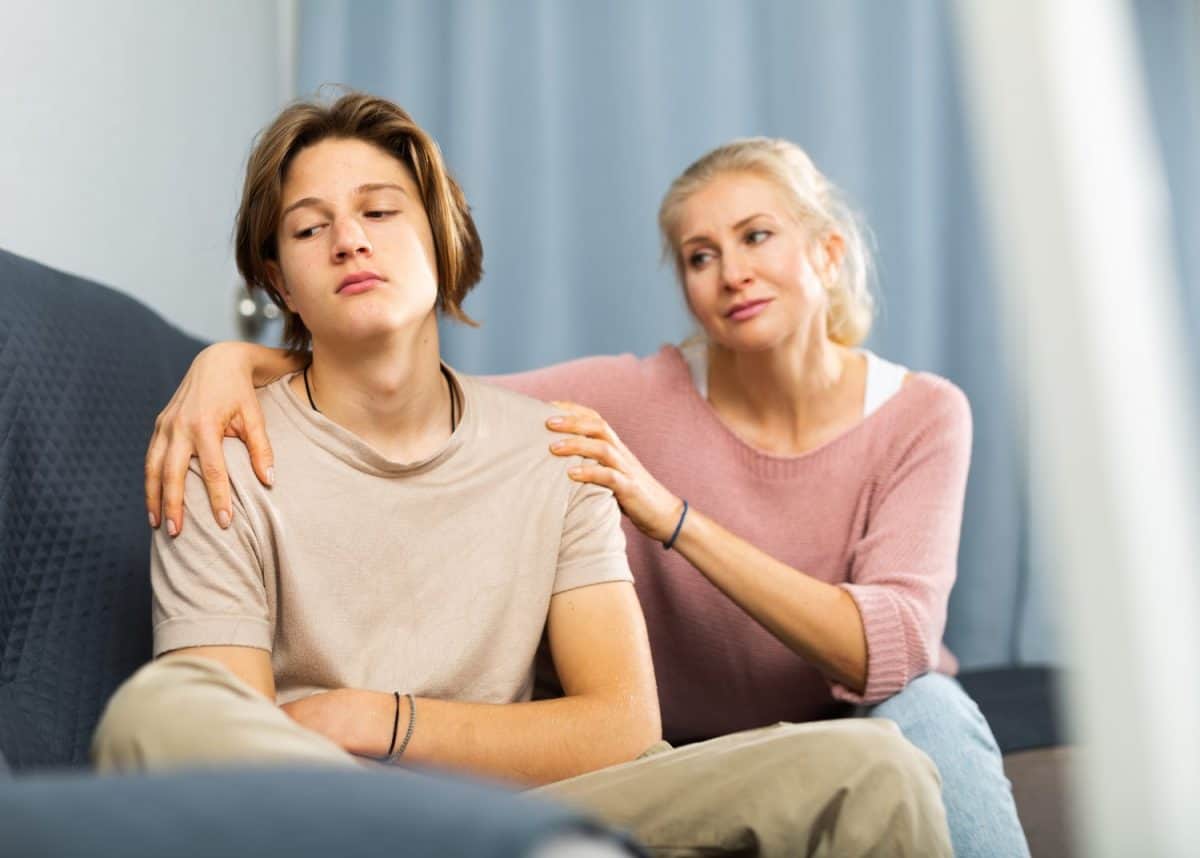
(267, 364)
(818, 621)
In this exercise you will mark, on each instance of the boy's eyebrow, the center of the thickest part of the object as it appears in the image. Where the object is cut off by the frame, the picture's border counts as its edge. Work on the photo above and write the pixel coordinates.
(361, 189)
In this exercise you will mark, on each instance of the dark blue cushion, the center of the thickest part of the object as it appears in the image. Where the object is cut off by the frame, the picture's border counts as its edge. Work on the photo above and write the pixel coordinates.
(1021, 705)
(83, 371)
(298, 813)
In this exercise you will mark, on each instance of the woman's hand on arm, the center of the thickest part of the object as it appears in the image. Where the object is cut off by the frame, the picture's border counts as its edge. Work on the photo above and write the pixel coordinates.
(649, 505)
(818, 621)
(215, 399)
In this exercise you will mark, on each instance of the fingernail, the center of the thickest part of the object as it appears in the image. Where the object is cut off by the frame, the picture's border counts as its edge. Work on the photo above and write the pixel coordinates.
(271, 476)
(171, 528)
(153, 519)
(574, 472)
(558, 445)
(554, 421)
(223, 519)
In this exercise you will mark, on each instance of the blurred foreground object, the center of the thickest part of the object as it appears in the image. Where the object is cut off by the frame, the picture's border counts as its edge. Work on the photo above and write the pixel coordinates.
(1080, 223)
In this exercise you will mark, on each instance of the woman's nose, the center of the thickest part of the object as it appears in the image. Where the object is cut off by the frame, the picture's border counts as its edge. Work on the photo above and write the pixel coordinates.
(349, 239)
(734, 271)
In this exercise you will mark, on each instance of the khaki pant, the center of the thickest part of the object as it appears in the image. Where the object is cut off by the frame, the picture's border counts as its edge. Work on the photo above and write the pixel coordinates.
(837, 788)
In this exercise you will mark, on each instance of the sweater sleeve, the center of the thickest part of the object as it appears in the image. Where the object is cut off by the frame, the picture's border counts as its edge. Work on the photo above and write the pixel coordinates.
(905, 564)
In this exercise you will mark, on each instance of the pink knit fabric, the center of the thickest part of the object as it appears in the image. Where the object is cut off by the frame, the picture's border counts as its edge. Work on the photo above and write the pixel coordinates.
(877, 511)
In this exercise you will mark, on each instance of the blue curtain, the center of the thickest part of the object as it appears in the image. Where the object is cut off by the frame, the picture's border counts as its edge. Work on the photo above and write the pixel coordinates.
(1169, 32)
(565, 122)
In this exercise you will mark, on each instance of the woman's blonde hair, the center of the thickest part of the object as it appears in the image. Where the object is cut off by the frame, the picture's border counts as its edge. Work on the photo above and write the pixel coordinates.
(817, 203)
(354, 116)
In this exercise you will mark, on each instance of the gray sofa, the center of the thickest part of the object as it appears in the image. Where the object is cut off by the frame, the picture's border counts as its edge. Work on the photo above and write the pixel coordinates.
(83, 371)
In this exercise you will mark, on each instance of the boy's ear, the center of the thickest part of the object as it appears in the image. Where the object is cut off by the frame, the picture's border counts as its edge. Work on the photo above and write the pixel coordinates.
(275, 275)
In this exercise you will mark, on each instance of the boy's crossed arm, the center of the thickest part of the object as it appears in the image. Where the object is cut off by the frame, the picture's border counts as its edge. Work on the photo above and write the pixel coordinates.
(609, 713)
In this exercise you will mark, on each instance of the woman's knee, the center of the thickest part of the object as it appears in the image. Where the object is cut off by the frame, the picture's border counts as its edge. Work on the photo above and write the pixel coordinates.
(934, 709)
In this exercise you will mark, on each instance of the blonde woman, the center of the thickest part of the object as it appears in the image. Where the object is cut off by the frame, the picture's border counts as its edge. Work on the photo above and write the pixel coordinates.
(807, 492)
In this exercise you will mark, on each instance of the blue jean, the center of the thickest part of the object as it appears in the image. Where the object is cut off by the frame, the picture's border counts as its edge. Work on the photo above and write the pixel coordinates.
(936, 715)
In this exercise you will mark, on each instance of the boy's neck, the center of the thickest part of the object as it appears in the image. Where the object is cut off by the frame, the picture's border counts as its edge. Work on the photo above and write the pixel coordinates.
(394, 397)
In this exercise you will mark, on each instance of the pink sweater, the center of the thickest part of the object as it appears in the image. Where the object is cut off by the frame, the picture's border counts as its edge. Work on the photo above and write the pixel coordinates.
(877, 511)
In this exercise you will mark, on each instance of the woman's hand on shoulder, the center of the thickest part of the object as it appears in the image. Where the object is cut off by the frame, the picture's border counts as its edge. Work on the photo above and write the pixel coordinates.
(650, 506)
(215, 399)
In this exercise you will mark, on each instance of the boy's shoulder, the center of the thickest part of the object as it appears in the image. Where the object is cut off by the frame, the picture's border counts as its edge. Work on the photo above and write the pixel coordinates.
(512, 426)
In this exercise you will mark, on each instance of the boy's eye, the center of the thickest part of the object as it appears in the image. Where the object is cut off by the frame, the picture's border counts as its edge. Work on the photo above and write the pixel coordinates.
(380, 214)
(309, 232)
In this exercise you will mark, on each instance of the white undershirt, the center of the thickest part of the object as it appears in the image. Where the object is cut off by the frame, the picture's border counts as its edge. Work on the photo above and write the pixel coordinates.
(884, 378)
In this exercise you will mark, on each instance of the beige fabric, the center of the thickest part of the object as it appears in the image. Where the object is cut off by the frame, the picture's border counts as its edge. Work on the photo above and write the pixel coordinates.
(185, 711)
(838, 788)
(358, 572)
(825, 788)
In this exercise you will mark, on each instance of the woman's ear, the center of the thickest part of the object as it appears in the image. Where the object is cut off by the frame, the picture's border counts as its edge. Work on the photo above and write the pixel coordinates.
(832, 250)
(275, 275)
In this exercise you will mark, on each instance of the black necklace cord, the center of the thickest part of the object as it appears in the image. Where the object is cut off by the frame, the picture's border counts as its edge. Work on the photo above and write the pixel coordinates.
(308, 390)
(449, 387)
(453, 400)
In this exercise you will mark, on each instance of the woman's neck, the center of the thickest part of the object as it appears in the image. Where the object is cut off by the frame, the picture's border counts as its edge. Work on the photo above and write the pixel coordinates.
(789, 399)
(394, 397)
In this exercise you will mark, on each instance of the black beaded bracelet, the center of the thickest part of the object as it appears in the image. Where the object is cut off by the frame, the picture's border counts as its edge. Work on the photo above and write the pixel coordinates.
(395, 724)
(667, 545)
(412, 722)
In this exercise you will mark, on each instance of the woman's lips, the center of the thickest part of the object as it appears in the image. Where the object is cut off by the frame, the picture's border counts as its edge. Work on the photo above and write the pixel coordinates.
(749, 310)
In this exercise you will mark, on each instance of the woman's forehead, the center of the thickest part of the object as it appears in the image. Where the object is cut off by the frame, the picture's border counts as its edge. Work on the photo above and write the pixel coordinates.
(728, 199)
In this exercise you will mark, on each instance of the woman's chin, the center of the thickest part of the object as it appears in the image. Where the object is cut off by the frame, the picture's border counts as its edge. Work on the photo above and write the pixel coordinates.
(748, 340)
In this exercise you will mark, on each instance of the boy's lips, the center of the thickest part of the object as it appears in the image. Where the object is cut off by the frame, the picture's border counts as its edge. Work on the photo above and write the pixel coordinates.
(359, 281)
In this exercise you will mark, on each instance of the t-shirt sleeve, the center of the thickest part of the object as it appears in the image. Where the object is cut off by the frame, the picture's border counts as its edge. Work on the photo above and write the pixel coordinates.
(906, 563)
(592, 548)
(207, 582)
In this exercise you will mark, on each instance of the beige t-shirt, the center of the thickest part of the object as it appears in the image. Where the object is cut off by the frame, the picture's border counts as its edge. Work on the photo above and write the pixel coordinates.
(354, 571)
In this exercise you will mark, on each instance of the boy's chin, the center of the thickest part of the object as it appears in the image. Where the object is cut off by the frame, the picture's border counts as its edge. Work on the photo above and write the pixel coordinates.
(377, 330)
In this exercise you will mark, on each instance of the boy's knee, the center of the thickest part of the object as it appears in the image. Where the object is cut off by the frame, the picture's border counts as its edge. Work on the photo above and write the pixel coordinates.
(132, 712)
(156, 708)
(880, 792)
(902, 785)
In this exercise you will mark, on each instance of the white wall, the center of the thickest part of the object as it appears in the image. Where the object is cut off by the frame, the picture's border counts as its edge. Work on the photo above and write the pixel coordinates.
(125, 128)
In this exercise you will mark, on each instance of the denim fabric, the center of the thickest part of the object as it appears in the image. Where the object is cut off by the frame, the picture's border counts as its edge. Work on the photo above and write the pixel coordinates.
(937, 716)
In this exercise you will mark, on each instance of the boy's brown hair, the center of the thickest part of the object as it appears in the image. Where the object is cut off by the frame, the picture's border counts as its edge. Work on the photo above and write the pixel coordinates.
(354, 116)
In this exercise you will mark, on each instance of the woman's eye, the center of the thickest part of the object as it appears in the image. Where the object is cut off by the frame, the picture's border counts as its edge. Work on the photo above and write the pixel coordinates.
(757, 236)
(699, 258)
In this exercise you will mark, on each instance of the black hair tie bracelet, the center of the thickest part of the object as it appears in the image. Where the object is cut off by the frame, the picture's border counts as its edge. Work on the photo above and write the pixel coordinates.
(678, 527)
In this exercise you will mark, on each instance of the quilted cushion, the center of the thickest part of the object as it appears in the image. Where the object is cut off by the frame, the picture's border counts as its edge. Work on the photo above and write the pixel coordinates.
(83, 371)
